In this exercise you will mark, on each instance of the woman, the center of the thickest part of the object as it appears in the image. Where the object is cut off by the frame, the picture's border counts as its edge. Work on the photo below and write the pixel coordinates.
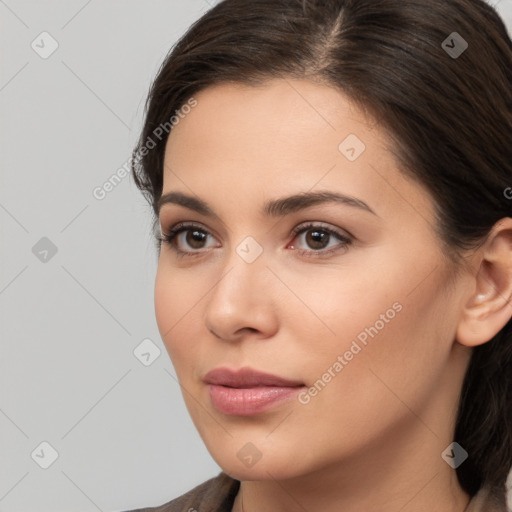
(331, 185)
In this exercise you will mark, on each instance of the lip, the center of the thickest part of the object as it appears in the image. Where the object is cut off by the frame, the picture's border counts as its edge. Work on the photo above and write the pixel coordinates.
(246, 378)
(245, 391)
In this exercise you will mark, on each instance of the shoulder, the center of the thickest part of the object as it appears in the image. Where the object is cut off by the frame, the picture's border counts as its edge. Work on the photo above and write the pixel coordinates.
(215, 495)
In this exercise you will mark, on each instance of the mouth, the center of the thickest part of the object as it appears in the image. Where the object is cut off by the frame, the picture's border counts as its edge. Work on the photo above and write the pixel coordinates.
(245, 392)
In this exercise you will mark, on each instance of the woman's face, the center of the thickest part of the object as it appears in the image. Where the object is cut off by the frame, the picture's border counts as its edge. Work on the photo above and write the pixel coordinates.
(348, 300)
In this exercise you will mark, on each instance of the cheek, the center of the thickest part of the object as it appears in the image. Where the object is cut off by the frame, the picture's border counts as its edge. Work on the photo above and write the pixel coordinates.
(339, 308)
(391, 313)
(174, 308)
(389, 343)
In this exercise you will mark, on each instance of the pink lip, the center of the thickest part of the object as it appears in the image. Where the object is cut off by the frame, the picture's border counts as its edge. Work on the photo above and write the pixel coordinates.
(246, 391)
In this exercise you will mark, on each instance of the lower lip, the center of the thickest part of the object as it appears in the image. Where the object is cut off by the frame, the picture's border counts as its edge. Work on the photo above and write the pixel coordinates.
(248, 401)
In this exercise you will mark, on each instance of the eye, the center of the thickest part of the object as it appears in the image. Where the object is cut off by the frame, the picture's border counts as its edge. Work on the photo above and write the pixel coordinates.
(184, 234)
(318, 238)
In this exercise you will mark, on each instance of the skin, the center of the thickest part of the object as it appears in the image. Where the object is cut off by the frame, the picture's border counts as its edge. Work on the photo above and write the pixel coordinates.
(372, 438)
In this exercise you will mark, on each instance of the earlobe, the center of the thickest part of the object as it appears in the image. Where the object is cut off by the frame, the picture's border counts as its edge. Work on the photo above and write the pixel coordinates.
(489, 307)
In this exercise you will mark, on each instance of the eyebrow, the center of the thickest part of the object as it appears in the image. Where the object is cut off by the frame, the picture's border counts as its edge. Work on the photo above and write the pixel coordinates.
(273, 208)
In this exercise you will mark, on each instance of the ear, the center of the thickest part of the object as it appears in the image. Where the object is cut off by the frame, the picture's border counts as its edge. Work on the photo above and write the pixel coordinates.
(489, 306)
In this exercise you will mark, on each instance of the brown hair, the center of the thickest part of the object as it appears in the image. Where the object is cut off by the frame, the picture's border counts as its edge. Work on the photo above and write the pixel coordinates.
(449, 116)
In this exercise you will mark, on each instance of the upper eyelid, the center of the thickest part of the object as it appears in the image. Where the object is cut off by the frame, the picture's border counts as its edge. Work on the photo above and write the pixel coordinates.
(184, 226)
(303, 224)
(322, 225)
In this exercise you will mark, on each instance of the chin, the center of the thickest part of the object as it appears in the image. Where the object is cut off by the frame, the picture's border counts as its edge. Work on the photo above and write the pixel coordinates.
(259, 472)
(270, 465)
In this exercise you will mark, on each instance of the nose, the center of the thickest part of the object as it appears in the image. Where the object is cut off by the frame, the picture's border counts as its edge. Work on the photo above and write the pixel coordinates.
(242, 302)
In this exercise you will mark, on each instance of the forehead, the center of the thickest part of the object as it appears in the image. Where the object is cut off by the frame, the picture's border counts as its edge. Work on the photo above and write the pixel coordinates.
(280, 137)
(289, 109)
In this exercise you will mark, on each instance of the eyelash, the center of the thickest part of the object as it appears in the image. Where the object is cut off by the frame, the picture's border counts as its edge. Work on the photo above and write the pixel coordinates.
(169, 238)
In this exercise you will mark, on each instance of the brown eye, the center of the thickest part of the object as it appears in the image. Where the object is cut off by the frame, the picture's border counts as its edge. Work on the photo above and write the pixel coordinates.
(195, 238)
(186, 239)
(318, 239)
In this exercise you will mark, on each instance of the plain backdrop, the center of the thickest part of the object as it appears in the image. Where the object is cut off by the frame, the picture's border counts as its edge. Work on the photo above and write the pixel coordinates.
(91, 416)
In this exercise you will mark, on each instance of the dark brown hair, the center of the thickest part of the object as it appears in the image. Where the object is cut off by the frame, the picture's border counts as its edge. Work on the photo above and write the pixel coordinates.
(449, 117)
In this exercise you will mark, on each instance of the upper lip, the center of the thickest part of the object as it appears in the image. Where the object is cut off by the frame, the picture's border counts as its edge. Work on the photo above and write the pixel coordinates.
(246, 378)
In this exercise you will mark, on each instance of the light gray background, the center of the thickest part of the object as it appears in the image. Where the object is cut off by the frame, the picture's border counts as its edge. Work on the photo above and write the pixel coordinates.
(70, 324)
